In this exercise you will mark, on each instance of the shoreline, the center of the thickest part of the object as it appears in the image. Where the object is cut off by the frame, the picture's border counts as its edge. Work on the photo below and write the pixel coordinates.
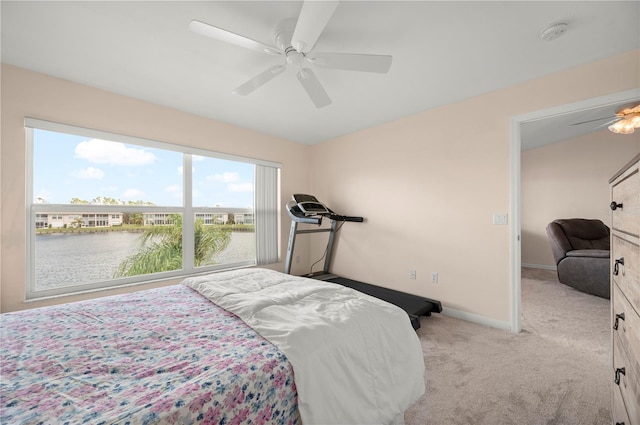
(141, 229)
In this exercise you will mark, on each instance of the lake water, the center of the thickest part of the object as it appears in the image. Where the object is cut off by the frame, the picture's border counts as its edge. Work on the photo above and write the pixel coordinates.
(72, 259)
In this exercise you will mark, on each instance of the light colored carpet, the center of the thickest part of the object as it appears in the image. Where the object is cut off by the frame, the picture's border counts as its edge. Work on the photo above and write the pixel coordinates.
(556, 371)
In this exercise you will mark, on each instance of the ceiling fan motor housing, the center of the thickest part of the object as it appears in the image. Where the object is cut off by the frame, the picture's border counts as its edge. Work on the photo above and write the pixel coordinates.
(294, 57)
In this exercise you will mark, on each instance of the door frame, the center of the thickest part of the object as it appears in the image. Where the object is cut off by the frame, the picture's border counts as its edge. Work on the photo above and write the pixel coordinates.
(515, 229)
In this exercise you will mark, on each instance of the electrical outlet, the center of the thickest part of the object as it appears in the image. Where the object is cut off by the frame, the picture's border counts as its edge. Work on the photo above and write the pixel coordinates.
(434, 277)
(412, 274)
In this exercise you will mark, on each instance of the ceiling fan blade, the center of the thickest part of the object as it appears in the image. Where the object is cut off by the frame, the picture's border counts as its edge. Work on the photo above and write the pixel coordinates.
(313, 88)
(314, 16)
(597, 119)
(259, 80)
(230, 37)
(608, 123)
(352, 62)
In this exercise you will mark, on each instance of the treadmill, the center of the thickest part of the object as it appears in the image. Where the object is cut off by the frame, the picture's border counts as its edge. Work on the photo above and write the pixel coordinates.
(307, 209)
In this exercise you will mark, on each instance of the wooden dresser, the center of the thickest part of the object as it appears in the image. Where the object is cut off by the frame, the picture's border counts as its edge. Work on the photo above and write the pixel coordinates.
(625, 294)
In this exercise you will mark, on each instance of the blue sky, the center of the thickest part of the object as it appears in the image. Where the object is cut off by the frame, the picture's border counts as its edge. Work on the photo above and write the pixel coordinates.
(67, 166)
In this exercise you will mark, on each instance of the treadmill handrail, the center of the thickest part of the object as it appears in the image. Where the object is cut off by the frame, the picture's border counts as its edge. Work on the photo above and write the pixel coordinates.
(338, 217)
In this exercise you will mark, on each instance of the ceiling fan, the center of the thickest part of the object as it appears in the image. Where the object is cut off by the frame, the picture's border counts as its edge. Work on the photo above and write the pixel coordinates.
(625, 121)
(294, 41)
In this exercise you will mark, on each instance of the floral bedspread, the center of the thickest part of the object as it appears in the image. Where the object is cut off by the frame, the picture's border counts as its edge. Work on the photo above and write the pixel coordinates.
(165, 355)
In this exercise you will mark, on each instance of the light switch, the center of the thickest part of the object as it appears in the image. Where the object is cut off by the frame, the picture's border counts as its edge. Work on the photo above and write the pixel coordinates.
(500, 218)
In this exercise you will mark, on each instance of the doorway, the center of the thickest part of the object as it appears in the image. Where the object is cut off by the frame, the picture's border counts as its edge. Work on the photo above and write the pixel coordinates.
(515, 183)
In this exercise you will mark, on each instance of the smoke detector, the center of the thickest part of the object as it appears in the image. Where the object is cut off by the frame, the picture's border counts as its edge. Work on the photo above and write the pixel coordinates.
(554, 31)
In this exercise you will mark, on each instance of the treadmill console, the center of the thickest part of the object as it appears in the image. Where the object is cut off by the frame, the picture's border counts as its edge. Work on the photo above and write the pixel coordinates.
(307, 209)
(310, 205)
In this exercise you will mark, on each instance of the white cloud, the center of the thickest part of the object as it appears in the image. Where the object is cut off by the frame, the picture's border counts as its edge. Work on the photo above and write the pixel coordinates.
(197, 158)
(240, 187)
(173, 188)
(228, 177)
(134, 194)
(112, 153)
(89, 173)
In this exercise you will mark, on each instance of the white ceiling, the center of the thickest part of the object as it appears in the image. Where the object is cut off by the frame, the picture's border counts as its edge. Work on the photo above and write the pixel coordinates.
(443, 52)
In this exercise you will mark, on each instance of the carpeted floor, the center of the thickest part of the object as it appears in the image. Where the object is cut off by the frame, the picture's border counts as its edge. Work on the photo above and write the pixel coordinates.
(556, 371)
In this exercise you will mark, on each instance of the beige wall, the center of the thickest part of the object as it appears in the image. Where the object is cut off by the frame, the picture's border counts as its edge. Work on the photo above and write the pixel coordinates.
(428, 185)
(26, 93)
(569, 179)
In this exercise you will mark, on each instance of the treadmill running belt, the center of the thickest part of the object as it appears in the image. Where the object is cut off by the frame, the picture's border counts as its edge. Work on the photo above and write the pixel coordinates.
(414, 305)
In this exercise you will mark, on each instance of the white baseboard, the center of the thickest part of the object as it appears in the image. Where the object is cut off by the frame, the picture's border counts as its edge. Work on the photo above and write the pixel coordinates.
(539, 266)
(476, 318)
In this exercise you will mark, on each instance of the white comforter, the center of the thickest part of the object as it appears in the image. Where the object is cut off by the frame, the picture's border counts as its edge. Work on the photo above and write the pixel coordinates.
(356, 359)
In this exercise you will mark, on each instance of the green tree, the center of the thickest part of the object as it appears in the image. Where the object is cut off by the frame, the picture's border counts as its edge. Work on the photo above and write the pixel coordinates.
(106, 200)
(161, 248)
(77, 222)
(132, 218)
(140, 203)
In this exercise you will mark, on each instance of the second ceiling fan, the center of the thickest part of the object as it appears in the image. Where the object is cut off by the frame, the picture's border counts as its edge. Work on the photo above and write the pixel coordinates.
(294, 40)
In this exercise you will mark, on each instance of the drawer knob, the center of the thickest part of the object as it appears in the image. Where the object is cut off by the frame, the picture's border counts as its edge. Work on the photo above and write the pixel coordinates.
(619, 371)
(614, 206)
(617, 264)
(618, 316)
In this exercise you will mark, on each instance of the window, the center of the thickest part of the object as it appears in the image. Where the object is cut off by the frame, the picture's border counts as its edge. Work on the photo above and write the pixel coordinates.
(109, 210)
(42, 221)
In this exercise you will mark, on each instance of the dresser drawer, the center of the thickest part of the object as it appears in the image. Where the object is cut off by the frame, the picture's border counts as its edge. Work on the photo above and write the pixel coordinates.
(626, 369)
(628, 274)
(619, 411)
(626, 325)
(625, 192)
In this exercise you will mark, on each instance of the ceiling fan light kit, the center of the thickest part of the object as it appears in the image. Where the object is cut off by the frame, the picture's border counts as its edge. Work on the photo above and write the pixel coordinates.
(295, 41)
(629, 120)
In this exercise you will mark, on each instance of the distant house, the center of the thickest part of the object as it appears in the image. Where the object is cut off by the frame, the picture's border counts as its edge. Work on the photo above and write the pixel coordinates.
(156, 219)
(159, 219)
(62, 220)
(74, 220)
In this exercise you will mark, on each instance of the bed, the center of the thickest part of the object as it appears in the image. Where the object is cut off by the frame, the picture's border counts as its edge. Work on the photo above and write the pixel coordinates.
(250, 346)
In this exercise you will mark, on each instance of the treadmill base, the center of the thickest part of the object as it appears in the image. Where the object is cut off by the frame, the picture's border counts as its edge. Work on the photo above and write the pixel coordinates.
(414, 305)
